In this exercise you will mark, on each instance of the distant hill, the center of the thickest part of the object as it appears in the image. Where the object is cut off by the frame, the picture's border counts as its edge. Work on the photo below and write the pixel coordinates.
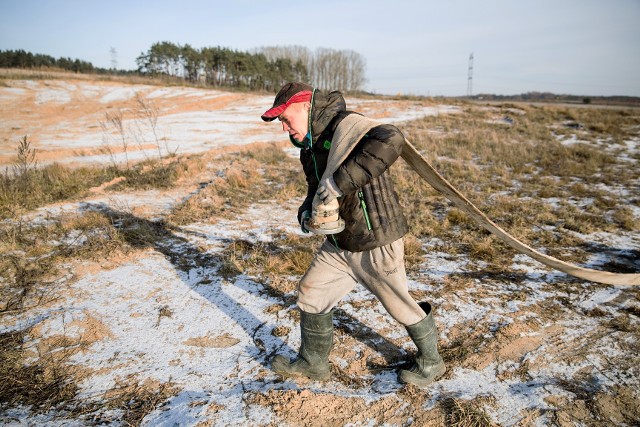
(552, 97)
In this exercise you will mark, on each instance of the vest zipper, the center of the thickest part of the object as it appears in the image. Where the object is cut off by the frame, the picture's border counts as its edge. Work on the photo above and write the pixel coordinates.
(315, 165)
(363, 205)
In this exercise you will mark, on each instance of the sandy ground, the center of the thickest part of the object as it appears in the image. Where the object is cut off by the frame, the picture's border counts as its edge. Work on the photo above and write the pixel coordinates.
(67, 121)
(535, 348)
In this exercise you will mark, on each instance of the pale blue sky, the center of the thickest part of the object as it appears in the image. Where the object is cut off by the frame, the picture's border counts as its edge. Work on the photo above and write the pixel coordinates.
(581, 47)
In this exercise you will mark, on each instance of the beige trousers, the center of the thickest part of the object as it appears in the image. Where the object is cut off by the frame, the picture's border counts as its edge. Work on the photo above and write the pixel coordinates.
(334, 273)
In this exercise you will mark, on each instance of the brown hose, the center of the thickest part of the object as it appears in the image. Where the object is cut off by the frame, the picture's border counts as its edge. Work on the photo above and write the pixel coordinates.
(429, 174)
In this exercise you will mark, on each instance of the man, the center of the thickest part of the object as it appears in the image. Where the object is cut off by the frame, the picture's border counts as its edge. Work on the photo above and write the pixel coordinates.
(370, 250)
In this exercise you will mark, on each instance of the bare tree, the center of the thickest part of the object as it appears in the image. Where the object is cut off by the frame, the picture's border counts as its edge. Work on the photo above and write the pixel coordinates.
(327, 68)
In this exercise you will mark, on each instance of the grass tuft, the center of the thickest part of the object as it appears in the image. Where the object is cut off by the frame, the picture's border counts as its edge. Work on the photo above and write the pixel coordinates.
(42, 384)
(262, 173)
(288, 255)
(26, 185)
(466, 413)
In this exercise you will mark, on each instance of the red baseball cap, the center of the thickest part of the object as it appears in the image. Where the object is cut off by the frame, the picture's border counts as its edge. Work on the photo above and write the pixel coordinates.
(288, 94)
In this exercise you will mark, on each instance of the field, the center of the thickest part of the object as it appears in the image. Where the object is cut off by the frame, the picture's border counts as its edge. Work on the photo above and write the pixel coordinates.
(150, 255)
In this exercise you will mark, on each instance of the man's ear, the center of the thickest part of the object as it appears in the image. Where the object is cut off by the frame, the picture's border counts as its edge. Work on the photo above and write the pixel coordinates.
(307, 106)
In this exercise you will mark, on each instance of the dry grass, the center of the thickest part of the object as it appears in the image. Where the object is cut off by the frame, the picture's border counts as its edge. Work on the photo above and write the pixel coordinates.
(41, 376)
(510, 171)
(413, 253)
(55, 73)
(466, 413)
(466, 340)
(287, 255)
(27, 185)
(133, 400)
(42, 384)
(31, 254)
(263, 172)
(536, 188)
(48, 381)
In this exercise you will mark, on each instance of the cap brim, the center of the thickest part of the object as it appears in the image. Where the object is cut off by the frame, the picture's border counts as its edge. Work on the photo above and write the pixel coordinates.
(273, 113)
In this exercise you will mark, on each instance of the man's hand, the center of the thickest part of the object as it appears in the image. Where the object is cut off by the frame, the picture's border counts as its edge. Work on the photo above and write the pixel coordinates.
(303, 221)
(328, 190)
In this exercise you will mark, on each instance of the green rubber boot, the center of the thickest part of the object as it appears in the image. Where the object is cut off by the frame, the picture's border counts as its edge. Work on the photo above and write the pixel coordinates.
(428, 366)
(316, 331)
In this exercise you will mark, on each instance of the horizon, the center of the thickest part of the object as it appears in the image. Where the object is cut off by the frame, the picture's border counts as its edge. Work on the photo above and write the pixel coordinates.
(575, 48)
(99, 70)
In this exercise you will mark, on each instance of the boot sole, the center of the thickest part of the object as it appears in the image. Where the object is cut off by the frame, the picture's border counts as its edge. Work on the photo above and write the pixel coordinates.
(322, 377)
(279, 366)
(408, 377)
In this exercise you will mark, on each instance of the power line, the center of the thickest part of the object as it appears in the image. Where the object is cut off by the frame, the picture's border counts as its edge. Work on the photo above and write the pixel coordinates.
(470, 76)
(114, 58)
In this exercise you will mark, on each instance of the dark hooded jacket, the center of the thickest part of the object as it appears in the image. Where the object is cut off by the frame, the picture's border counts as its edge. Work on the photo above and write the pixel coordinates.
(369, 204)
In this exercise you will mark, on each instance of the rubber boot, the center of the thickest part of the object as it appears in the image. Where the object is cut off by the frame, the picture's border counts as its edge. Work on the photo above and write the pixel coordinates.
(316, 331)
(428, 366)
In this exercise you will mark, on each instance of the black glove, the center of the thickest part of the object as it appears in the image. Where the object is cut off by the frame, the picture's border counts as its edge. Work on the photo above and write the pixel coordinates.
(303, 221)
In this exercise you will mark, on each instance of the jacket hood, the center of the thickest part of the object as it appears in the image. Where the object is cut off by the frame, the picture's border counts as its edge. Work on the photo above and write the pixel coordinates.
(325, 107)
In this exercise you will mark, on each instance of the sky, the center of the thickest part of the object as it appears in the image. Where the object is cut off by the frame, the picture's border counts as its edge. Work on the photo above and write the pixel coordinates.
(578, 47)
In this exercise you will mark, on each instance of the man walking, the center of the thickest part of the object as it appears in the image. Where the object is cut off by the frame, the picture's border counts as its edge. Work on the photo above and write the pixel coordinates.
(370, 249)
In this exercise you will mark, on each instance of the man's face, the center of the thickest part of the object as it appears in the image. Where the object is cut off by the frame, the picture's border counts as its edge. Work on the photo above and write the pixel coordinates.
(295, 120)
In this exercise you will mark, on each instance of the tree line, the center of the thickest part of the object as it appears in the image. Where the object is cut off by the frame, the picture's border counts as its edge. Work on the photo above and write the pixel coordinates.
(264, 68)
(219, 66)
(22, 59)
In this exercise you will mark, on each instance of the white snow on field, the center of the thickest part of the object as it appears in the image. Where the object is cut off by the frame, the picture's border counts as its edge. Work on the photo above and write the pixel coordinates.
(90, 91)
(119, 94)
(201, 332)
(69, 140)
(392, 113)
(58, 92)
(632, 147)
(177, 92)
(403, 116)
(166, 317)
(9, 93)
(626, 151)
(58, 96)
(467, 384)
(233, 122)
(600, 298)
